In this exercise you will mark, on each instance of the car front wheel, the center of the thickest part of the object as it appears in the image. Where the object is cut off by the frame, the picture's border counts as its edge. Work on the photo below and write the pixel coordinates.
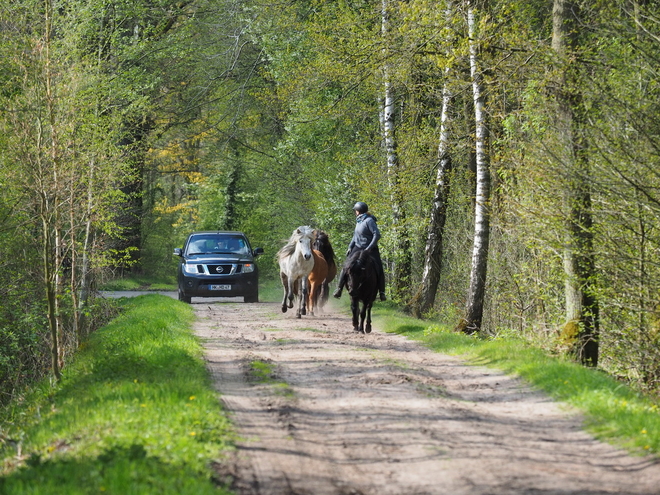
(252, 298)
(183, 297)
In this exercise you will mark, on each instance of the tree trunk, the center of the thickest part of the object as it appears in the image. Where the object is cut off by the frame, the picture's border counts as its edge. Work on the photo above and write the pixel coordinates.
(425, 297)
(476, 293)
(49, 184)
(402, 262)
(434, 240)
(84, 277)
(581, 329)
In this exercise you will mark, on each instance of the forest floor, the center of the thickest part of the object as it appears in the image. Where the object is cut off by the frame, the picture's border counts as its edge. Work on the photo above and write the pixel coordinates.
(346, 413)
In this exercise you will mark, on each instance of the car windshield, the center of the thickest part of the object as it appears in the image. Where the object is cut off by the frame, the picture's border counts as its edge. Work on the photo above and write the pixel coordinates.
(217, 244)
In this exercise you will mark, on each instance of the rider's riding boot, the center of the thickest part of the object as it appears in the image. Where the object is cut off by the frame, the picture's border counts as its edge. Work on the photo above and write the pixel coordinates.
(340, 286)
(382, 296)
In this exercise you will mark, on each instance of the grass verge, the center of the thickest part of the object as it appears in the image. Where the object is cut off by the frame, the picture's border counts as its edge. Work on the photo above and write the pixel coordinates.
(613, 412)
(135, 413)
(139, 282)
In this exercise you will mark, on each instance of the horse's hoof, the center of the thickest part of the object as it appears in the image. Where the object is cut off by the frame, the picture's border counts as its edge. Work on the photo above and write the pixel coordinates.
(356, 329)
(297, 315)
(367, 330)
(283, 308)
(291, 304)
(303, 312)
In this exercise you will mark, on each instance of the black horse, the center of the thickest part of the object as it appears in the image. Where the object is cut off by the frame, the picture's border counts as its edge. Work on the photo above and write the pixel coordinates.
(362, 285)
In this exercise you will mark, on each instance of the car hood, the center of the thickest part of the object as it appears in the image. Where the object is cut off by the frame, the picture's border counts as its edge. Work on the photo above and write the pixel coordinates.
(206, 259)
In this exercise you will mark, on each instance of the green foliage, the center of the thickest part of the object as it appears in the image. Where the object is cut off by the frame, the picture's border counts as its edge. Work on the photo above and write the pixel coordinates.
(134, 413)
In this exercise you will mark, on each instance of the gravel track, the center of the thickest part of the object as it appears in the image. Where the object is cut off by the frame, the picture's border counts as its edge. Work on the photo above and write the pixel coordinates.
(346, 413)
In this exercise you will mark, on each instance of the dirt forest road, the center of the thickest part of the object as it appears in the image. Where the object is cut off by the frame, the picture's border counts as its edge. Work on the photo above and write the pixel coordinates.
(356, 414)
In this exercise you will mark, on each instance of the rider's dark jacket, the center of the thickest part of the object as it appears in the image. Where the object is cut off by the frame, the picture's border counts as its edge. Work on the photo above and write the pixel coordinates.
(366, 232)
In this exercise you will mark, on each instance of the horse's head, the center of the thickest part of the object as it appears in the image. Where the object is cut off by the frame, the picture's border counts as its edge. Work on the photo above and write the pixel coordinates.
(322, 244)
(304, 237)
(320, 238)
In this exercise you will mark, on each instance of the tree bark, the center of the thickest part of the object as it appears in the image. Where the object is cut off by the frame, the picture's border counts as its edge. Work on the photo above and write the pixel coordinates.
(49, 205)
(402, 263)
(433, 251)
(582, 312)
(477, 290)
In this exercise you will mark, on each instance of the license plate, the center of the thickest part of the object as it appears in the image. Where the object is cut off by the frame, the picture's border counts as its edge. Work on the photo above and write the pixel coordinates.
(221, 287)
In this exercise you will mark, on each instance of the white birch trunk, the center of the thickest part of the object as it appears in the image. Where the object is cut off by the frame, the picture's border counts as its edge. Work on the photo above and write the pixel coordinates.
(401, 264)
(434, 240)
(475, 302)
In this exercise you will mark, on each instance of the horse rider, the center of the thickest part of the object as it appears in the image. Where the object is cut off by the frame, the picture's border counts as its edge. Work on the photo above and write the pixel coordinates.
(365, 236)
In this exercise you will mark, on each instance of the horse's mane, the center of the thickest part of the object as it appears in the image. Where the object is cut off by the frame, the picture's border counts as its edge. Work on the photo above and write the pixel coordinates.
(290, 247)
(358, 257)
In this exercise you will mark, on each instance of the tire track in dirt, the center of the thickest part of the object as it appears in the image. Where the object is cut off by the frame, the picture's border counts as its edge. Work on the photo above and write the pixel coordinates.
(377, 414)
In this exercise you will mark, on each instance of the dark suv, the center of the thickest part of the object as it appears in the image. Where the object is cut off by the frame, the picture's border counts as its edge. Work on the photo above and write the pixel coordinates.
(218, 264)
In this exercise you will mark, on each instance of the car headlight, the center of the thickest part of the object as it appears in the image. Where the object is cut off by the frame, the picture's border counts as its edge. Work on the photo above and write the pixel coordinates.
(248, 267)
(189, 268)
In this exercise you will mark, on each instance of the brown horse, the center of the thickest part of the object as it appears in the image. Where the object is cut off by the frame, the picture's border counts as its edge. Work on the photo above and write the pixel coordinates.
(322, 244)
(315, 280)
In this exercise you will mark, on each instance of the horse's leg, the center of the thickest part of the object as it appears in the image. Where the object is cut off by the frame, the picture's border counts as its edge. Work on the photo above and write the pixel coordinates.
(363, 315)
(323, 294)
(367, 329)
(315, 293)
(299, 295)
(303, 296)
(313, 297)
(355, 309)
(285, 285)
(310, 297)
(290, 293)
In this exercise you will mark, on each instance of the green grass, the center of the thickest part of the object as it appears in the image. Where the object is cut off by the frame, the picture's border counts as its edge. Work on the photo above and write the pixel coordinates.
(270, 290)
(613, 412)
(264, 372)
(135, 413)
(142, 282)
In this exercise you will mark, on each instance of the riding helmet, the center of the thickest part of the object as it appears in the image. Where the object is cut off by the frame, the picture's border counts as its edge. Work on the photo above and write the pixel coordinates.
(361, 207)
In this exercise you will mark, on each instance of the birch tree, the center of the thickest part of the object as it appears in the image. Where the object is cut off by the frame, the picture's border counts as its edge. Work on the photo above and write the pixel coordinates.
(479, 266)
(433, 251)
(402, 260)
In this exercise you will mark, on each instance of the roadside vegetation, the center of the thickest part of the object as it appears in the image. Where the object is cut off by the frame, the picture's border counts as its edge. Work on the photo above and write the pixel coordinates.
(134, 413)
(142, 282)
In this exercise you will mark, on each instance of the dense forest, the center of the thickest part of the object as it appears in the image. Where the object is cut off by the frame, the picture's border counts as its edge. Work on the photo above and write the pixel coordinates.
(509, 149)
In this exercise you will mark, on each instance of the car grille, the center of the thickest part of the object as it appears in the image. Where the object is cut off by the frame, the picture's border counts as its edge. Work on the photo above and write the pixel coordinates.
(223, 269)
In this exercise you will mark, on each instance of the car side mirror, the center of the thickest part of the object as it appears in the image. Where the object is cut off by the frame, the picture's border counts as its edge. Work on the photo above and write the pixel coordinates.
(178, 251)
(258, 251)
